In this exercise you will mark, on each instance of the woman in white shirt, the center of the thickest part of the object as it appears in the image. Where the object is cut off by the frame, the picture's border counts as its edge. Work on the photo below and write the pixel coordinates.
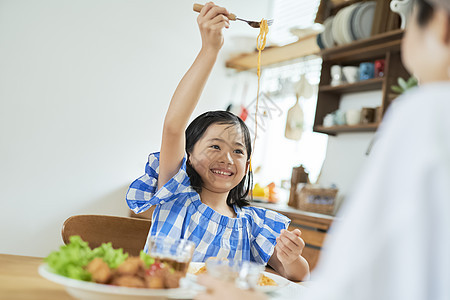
(394, 238)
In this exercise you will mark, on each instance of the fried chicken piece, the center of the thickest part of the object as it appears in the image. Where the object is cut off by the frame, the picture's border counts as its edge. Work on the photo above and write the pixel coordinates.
(129, 281)
(99, 270)
(130, 266)
(154, 282)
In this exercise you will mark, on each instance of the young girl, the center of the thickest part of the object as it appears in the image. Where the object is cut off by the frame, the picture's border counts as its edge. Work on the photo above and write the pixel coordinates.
(200, 195)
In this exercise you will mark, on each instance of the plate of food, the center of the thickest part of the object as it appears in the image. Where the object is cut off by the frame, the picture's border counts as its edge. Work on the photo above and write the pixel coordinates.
(95, 291)
(267, 282)
(107, 273)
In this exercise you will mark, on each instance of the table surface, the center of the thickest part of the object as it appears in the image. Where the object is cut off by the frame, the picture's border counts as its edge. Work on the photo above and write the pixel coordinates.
(19, 279)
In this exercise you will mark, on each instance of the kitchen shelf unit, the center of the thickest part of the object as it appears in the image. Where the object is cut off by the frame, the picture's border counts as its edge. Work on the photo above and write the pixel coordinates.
(305, 46)
(385, 46)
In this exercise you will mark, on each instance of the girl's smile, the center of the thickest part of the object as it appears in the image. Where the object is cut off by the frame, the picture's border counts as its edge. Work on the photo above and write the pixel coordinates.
(222, 173)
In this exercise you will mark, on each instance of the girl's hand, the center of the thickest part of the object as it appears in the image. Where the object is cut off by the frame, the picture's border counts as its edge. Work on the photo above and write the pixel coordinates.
(211, 20)
(220, 290)
(289, 246)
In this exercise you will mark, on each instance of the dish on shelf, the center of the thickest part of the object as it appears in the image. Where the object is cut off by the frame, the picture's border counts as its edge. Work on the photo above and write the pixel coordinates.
(336, 29)
(363, 19)
(351, 23)
(327, 35)
(319, 41)
(348, 24)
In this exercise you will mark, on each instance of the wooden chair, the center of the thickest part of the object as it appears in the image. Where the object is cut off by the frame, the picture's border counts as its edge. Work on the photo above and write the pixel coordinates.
(129, 234)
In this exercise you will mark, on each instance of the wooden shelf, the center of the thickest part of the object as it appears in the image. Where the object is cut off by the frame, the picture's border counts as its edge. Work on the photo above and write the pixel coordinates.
(382, 46)
(360, 86)
(303, 47)
(333, 130)
(366, 49)
(375, 46)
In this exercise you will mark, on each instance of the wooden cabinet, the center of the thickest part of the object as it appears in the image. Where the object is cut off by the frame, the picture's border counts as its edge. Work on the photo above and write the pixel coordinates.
(383, 46)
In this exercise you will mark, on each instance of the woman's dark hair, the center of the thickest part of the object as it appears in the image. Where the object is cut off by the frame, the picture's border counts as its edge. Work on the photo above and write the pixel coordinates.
(195, 131)
(424, 12)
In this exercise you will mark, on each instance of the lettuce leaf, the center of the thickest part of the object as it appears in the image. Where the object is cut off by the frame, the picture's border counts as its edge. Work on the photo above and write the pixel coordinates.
(147, 259)
(71, 259)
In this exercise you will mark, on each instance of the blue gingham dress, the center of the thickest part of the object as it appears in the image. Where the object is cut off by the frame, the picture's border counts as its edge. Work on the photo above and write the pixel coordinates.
(179, 213)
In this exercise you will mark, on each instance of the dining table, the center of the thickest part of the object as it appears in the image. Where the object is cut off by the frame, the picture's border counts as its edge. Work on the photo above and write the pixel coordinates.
(19, 279)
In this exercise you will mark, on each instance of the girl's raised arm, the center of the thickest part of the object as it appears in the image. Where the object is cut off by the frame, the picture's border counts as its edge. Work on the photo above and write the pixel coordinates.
(211, 21)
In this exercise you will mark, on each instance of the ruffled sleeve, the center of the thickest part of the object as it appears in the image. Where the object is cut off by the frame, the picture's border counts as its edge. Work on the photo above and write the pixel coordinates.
(266, 227)
(143, 193)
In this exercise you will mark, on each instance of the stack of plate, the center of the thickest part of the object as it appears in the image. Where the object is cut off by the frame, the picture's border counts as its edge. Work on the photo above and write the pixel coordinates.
(351, 23)
(325, 39)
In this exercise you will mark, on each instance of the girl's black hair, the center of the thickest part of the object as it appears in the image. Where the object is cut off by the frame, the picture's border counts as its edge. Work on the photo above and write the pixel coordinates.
(424, 12)
(195, 131)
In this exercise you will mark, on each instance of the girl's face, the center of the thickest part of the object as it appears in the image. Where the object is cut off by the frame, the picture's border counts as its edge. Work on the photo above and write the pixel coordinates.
(425, 49)
(220, 157)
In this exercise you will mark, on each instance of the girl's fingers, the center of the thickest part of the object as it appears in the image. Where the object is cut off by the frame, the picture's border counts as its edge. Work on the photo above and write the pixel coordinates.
(220, 26)
(219, 19)
(297, 232)
(293, 237)
(216, 10)
(281, 253)
(286, 244)
(206, 8)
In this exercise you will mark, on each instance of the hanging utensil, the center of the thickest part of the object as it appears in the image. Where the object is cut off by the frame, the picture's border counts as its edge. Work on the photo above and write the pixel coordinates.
(294, 122)
(303, 88)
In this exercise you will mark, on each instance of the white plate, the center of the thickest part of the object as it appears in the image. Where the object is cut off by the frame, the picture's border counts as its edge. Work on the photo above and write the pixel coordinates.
(347, 30)
(336, 28)
(95, 291)
(327, 37)
(281, 281)
(364, 19)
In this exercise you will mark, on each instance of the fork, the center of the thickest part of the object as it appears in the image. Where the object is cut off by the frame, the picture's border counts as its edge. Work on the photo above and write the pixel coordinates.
(232, 17)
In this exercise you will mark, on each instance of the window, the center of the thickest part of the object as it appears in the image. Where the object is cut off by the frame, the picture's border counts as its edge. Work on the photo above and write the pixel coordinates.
(275, 155)
(288, 14)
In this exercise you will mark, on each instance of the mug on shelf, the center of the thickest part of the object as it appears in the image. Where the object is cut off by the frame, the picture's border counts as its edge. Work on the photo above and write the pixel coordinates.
(328, 120)
(379, 68)
(353, 116)
(366, 70)
(336, 75)
(351, 73)
(339, 117)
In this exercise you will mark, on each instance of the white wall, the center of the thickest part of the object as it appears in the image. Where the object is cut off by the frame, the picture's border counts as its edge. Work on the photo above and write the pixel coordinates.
(346, 152)
(84, 86)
